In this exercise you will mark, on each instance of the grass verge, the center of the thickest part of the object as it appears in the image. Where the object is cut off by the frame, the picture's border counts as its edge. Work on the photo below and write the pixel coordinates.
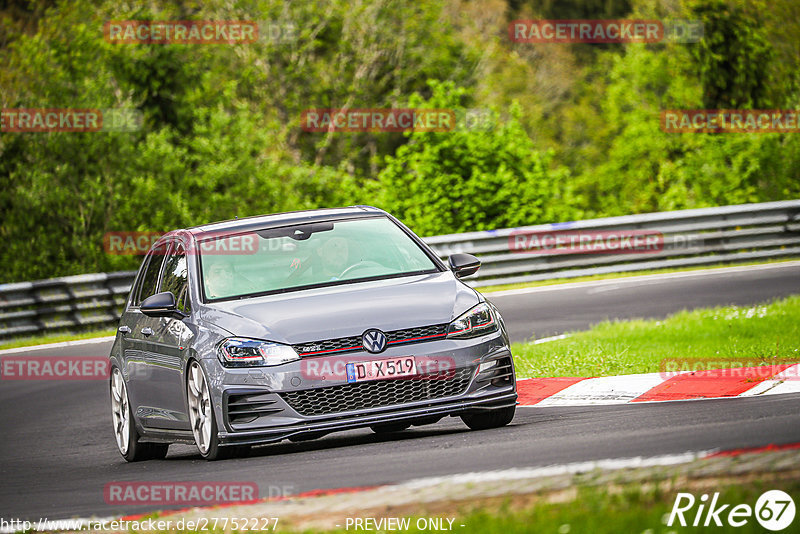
(625, 502)
(629, 509)
(741, 335)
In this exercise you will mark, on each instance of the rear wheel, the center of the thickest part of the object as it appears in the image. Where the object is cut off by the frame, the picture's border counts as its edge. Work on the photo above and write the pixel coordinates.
(128, 439)
(489, 419)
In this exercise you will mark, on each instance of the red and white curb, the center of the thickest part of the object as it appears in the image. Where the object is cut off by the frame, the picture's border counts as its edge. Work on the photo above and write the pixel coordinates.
(654, 387)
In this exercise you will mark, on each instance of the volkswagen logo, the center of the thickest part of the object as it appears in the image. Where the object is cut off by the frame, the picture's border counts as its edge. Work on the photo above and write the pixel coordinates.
(374, 340)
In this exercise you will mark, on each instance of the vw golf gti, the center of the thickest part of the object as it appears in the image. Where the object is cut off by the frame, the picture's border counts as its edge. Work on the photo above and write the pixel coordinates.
(295, 325)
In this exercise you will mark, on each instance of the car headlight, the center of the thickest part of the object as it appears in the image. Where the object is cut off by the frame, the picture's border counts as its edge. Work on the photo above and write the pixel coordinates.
(240, 352)
(477, 321)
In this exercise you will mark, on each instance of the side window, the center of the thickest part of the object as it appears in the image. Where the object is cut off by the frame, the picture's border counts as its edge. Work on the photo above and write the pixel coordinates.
(150, 275)
(176, 278)
(137, 283)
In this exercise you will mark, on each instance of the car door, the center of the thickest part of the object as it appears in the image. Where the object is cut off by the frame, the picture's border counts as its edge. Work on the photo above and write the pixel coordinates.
(137, 329)
(167, 341)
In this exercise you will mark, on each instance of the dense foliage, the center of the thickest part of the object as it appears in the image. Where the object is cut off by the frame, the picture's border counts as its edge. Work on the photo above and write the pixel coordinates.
(574, 129)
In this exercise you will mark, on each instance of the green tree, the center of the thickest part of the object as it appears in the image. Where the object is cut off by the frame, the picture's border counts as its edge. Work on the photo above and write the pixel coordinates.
(471, 179)
(734, 58)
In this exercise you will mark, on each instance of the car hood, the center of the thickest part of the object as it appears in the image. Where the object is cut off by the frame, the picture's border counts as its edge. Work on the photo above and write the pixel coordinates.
(347, 310)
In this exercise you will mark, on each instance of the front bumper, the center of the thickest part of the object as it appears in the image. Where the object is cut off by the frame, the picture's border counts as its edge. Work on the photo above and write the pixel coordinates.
(407, 413)
(259, 407)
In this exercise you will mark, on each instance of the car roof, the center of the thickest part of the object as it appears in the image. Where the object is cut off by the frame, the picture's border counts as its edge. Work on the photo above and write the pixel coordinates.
(260, 222)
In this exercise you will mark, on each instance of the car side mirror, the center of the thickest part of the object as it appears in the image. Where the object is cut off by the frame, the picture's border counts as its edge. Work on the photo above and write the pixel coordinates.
(161, 305)
(464, 264)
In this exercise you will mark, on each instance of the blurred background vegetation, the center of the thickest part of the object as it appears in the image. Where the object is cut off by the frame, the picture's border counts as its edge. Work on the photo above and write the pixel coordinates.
(576, 134)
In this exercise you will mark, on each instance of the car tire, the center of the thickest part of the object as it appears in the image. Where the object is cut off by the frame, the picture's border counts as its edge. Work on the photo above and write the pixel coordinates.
(387, 428)
(127, 438)
(490, 419)
(201, 416)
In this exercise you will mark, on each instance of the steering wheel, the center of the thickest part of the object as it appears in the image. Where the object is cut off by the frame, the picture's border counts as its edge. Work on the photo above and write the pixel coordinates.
(361, 265)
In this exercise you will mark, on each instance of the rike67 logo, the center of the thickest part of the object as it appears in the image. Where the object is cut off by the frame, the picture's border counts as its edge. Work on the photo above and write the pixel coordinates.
(774, 510)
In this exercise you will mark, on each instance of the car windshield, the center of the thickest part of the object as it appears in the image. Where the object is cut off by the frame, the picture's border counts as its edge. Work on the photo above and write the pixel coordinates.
(308, 255)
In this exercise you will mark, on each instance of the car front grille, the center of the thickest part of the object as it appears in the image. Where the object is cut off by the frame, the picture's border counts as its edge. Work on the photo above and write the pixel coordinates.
(361, 395)
(342, 345)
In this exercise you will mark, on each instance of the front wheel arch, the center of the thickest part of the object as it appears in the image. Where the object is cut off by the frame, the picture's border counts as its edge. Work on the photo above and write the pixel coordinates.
(126, 435)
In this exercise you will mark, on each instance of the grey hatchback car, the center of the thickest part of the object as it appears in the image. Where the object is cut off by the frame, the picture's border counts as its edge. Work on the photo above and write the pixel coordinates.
(295, 325)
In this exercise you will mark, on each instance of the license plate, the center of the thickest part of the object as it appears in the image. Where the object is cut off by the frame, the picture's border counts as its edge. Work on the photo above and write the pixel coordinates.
(378, 369)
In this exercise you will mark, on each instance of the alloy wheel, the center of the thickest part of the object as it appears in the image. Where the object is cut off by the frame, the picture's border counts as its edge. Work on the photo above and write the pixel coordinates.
(199, 407)
(120, 412)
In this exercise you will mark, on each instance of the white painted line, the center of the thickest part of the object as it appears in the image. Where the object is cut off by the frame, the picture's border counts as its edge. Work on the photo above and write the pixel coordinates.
(787, 386)
(787, 381)
(602, 289)
(635, 279)
(761, 388)
(59, 345)
(551, 338)
(604, 390)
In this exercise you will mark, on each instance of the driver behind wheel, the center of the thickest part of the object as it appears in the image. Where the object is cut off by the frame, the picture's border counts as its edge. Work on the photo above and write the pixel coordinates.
(334, 257)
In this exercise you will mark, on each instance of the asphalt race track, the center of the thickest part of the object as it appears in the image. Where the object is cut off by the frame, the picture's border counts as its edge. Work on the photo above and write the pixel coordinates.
(57, 449)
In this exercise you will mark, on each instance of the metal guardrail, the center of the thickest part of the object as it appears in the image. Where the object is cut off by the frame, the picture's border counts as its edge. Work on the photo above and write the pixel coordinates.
(703, 236)
(694, 237)
(71, 303)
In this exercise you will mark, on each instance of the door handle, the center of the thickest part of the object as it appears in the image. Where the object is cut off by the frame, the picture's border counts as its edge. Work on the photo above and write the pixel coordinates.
(124, 330)
(147, 331)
